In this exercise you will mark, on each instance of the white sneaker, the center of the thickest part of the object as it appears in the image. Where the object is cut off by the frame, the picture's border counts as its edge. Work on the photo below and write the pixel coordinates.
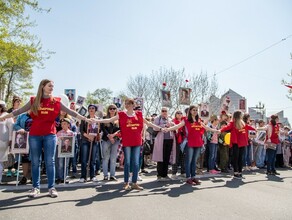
(34, 193)
(254, 168)
(139, 178)
(82, 180)
(94, 179)
(53, 193)
(174, 177)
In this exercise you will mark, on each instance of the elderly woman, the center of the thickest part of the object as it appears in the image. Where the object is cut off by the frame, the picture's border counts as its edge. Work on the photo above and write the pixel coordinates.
(5, 136)
(164, 146)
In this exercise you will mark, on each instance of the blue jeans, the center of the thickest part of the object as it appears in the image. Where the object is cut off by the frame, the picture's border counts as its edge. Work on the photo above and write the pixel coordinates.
(109, 153)
(260, 156)
(98, 157)
(247, 156)
(192, 156)
(74, 159)
(60, 168)
(271, 159)
(85, 147)
(37, 144)
(132, 155)
(212, 155)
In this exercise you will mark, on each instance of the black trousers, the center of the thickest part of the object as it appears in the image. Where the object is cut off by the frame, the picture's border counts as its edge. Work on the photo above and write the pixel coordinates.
(162, 167)
(237, 158)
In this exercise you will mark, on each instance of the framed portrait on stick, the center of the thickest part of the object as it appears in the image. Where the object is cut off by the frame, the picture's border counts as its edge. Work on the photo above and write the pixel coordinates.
(82, 111)
(66, 146)
(19, 143)
(165, 95)
(80, 100)
(70, 93)
(204, 110)
(92, 129)
(139, 103)
(184, 96)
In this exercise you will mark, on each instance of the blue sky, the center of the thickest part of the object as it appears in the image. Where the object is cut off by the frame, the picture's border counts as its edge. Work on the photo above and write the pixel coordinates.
(99, 44)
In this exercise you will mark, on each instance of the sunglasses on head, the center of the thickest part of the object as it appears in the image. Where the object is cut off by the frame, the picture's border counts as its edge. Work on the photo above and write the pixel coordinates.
(112, 108)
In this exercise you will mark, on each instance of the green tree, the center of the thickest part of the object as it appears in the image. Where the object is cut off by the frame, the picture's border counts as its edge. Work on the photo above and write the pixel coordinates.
(101, 96)
(20, 50)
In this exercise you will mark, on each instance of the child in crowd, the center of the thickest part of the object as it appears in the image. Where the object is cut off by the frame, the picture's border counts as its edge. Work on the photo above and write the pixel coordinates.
(65, 132)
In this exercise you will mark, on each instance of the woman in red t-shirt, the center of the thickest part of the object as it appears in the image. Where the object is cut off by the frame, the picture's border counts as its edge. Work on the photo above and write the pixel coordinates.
(180, 156)
(131, 125)
(195, 129)
(272, 142)
(42, 136)
(238, 140)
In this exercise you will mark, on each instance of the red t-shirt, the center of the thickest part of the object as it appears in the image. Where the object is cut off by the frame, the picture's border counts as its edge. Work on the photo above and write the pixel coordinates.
(180, 134)
(275, 134)
(195, 133)
(238, 136)
(44, 122)
(131, 129)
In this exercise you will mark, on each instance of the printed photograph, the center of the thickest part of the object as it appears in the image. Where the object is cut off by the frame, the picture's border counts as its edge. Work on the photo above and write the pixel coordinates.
(204, 110)
(166, 101)
(80, 100)
(20, 143)
(66, 146)
(82, 111)
(92, 129)
(70, 93)
(184, 96)
(139, 103)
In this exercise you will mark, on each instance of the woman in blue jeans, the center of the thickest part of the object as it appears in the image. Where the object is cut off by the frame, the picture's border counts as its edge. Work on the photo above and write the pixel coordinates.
(44, 110)
(131, 124)
(273, 130)
(90, 142)
(110, 143)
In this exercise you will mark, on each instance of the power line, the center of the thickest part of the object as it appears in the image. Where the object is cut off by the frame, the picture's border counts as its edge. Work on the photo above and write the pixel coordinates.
(248, 58)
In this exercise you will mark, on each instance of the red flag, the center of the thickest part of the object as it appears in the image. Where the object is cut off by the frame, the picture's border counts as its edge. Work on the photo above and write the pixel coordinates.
(289, 86)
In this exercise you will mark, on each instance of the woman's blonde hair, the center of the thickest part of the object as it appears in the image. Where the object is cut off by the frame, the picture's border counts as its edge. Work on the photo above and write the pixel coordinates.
(108, 114)
(37, 100)
(237, 119)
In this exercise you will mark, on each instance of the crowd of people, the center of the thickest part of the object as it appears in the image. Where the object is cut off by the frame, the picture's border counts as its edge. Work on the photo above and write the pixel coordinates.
(225, 143)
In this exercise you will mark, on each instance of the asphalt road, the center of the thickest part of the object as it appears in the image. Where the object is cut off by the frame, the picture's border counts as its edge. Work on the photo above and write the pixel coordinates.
(219, 197)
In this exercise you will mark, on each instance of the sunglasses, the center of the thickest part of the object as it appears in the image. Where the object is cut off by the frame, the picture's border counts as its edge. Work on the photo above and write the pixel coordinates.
(195, 110)
(91, 108)
(178, 113)
(112, 108)
(163, 111)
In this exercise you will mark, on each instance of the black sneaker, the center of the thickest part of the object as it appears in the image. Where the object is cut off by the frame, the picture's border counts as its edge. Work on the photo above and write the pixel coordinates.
(275, 172)
(112, 178)
(237, 176)
(23, 181)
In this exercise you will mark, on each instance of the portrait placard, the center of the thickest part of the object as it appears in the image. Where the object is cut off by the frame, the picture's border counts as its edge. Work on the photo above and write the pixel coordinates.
(66, 145)
(20, 142)
(80, 100)
(204, 110)
(166, 101)
(82, 111)
(139, 103)
(92, 129)
(118, 102)
(70, 93)
(184, 96)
